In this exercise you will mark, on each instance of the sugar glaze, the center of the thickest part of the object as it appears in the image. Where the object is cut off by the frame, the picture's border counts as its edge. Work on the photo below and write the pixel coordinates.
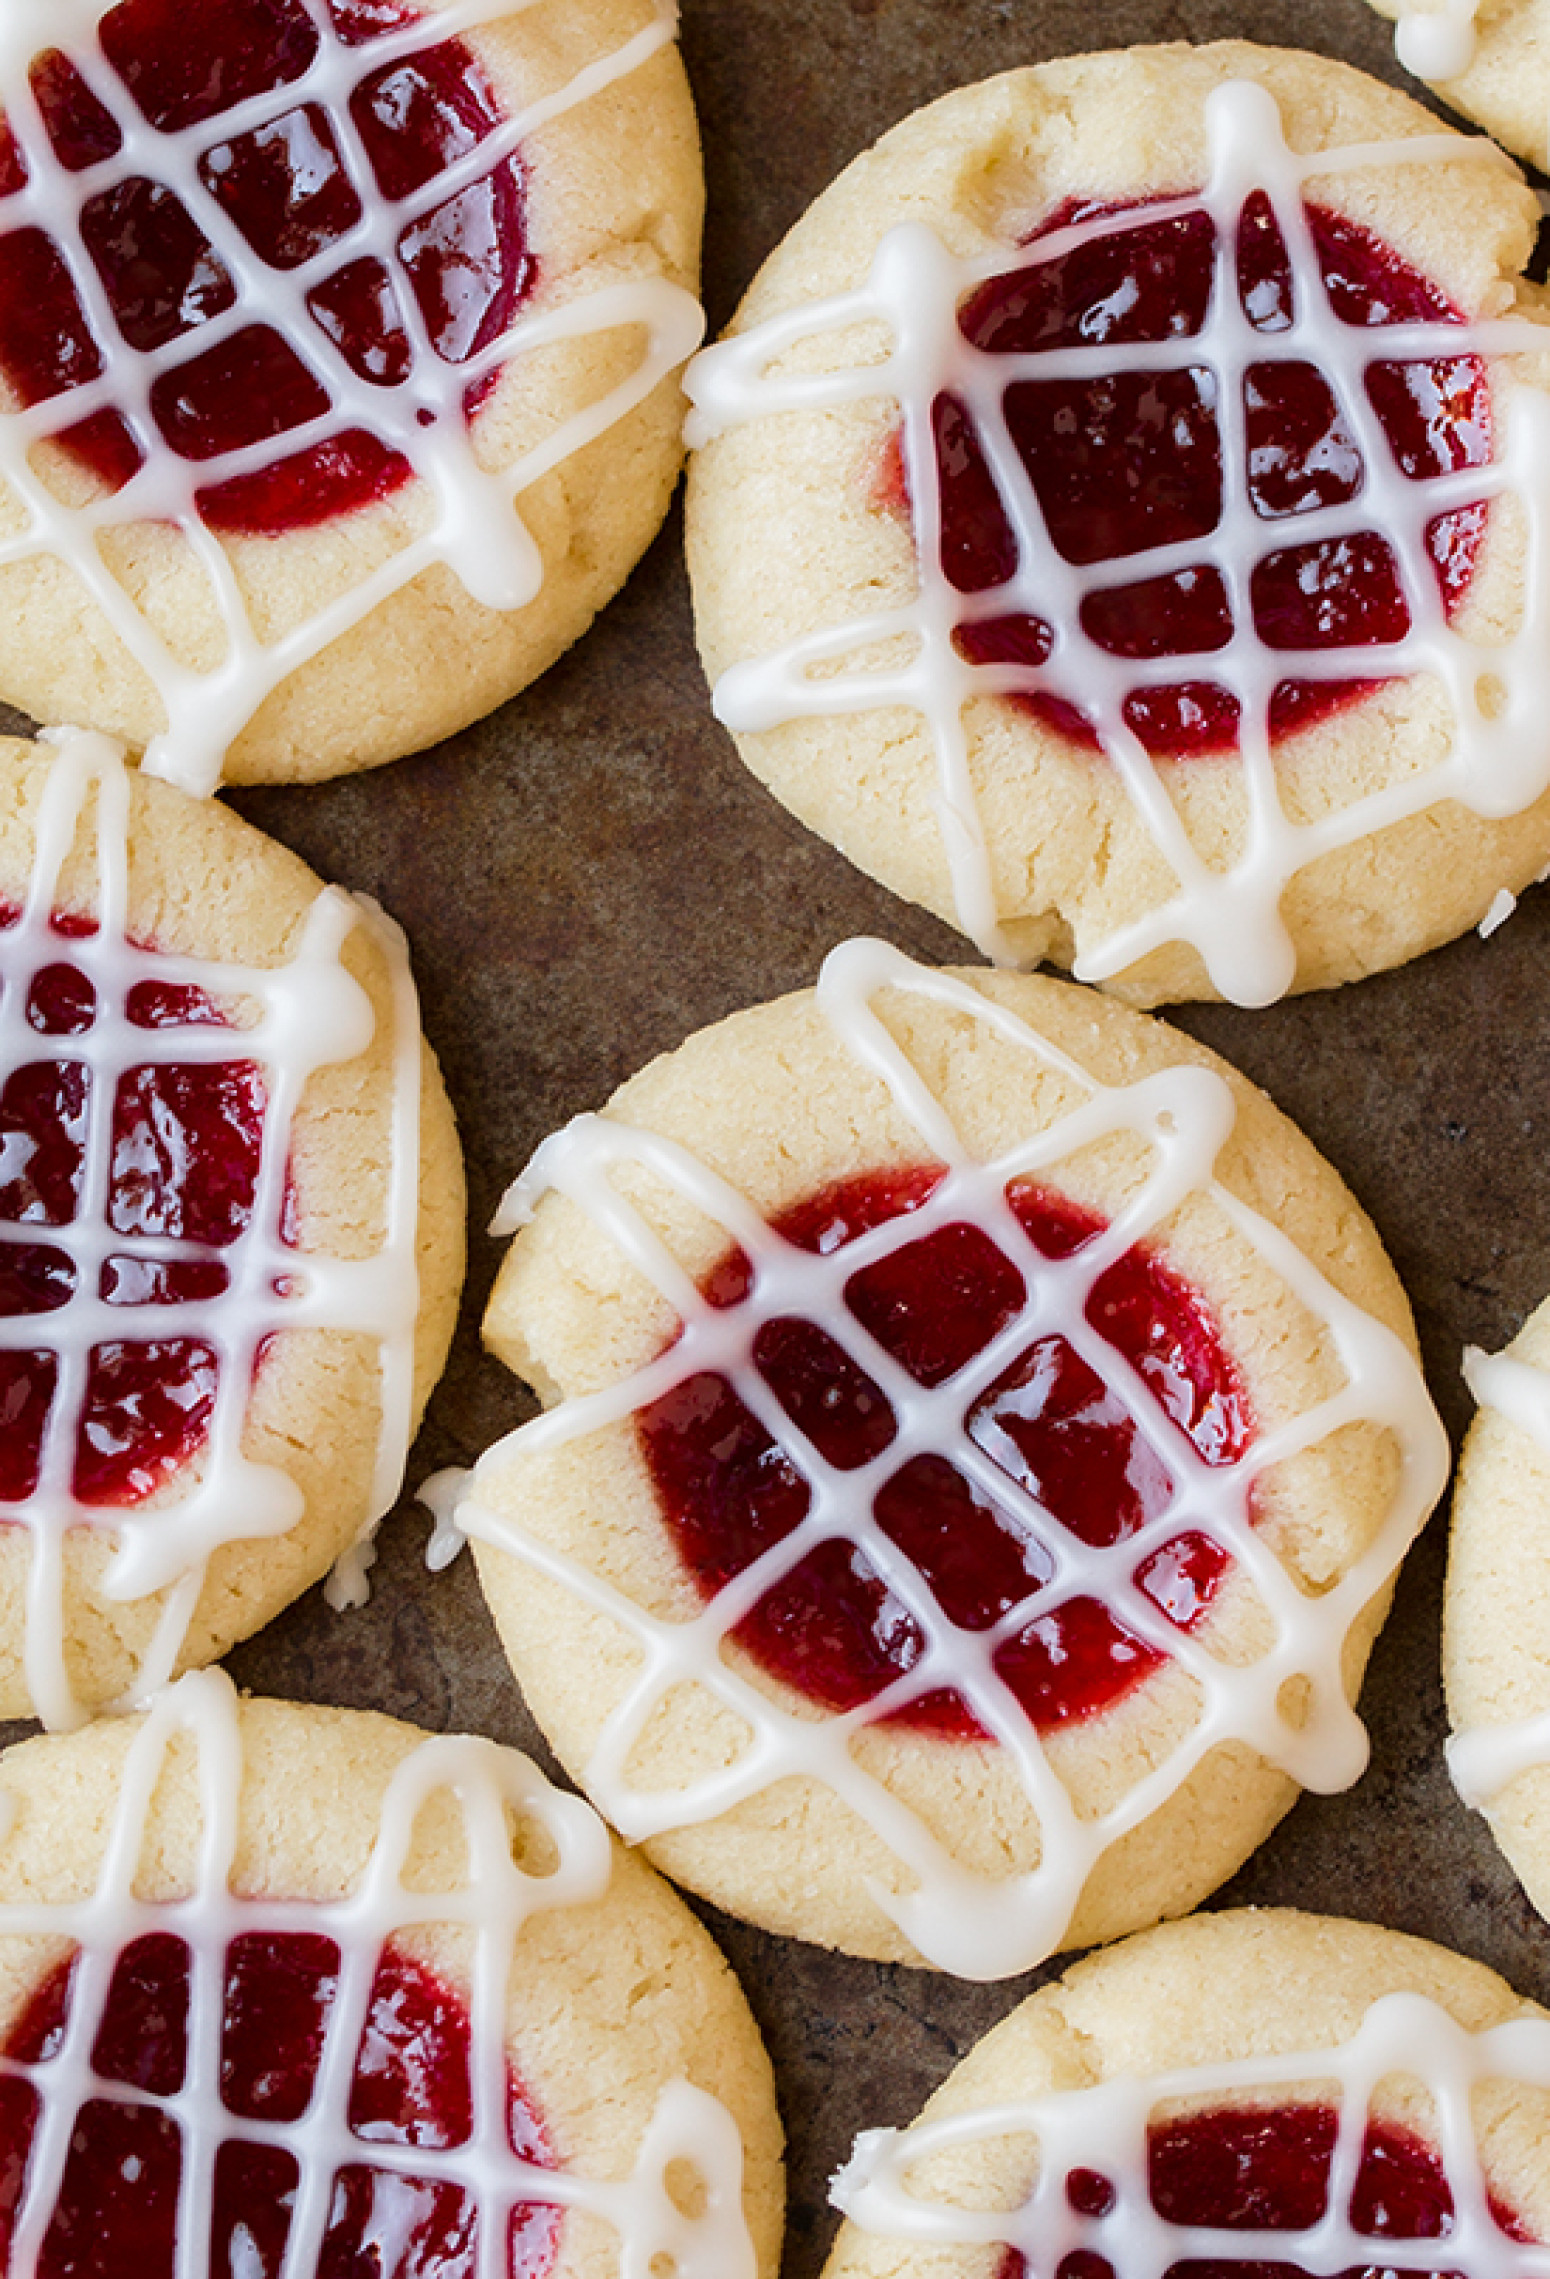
(1185, 1115)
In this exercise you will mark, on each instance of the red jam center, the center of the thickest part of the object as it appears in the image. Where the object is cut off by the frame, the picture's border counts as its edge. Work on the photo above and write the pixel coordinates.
(832, 1627)
(117, 2207)
(287, 187)
(1129, 461)
(186, 1145)
(1269, 2170)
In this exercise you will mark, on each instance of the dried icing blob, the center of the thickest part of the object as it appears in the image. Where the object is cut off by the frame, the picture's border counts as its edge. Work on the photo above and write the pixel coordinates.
(185, 1143)
(295, 186)
(831, 1626)
(1131, 462)
(118, 2201)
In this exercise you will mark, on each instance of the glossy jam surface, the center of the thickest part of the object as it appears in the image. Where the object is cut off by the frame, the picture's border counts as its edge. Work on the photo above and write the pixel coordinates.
(116, 2211)
(1268, 2170)
(832, 1627)
(186, 1145)
(1133, 460)
(290, 188)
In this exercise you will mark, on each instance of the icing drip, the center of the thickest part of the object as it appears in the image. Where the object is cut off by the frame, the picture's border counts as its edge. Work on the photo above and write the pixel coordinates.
(1106, 2127)
(473, 525)
(1437, 42)
(1496, 762)
(1488, 1758)
(978, 1928)
(490, 1785)
(305, 1015)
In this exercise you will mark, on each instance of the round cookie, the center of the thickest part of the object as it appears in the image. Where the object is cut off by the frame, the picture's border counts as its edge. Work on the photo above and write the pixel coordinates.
(231, 1227)
(982, 1437)
(376, 1985)
(1498, 1604)
(1288, 2076)
(338, 397)
(1072, 549)
(1489, 59)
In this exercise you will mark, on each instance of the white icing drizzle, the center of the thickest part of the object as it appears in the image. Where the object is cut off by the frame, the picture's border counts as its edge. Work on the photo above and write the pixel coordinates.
(1437, 42)
(1503, 905)
(306, 1015)
(1498, 762)
(475, 527)
(975, 1927)
(494, 1902)
(1105, 2128)
(1483, 1760)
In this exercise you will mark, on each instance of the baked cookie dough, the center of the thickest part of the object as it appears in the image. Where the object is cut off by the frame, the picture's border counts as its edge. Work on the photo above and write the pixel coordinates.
(1110, 519)
(340, 397)
(1497, 1610)
(1489, 59)
(369, 1989)
(1268, 2073)
(982, 1436)
(231, 1227)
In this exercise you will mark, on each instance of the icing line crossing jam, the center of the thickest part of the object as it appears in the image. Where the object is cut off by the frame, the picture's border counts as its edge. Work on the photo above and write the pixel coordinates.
(307, 1013)
(474, 527)
(1184, 1115)
(1497, 763)
(491, 1787)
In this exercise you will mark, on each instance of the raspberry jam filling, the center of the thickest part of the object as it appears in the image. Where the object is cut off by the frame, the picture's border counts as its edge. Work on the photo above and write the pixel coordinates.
(117, 2206)
(832, 1628)
(186, 1145)
(289, 188)
(1134, 460)
(1269, 2170)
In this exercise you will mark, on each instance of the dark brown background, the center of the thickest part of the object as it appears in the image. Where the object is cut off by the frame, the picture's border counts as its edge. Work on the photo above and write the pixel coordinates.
(590, 875)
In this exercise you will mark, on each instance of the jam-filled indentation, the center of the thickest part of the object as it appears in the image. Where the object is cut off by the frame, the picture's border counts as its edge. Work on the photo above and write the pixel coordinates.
(173, 1151)
(1115, 465)
(1268, 2168)
(409, 2085)
(283, 195)
(832, 1627)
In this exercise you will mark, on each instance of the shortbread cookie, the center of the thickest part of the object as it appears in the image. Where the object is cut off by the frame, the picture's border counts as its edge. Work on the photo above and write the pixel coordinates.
(1496, 1633)
(983, 1435)
(368, 1990)
(1328, 2084)
(336, 343)
(1489, 59)
(231, 1227)
(1111, 521)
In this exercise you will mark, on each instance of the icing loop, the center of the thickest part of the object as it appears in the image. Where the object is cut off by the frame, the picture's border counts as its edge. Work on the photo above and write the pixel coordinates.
(976, 1927)
(1494, 758)
(470, 521)
(1106, 2127)
(492, 1789)
(295, 1019)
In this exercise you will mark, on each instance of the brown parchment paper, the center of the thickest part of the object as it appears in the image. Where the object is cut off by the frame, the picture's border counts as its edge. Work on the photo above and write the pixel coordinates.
(590, 875)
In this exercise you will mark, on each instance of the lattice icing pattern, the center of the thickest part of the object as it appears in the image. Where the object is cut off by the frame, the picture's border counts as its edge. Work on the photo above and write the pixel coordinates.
(492, 1789)
(288, 1022)
(474, 525)
(1495, 763)
(1104, 2129)
(1184, 1115)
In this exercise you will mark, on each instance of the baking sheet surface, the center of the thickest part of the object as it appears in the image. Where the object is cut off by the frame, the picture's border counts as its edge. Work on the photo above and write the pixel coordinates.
(590, 875)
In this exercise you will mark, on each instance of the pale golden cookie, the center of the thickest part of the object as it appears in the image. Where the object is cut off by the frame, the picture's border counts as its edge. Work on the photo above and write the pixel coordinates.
(1170, 633)
(1198, 2075)
(400, 370)
(231, 1226)
(394, 1942)
(1489, 59)
(1498, 1604)
(1006, 1472)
